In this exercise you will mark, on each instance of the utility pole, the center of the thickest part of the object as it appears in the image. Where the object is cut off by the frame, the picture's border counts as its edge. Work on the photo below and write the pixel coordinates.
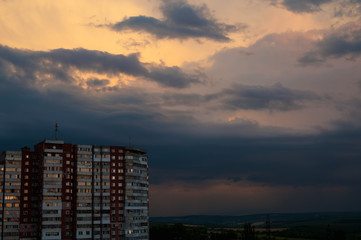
(268, 228)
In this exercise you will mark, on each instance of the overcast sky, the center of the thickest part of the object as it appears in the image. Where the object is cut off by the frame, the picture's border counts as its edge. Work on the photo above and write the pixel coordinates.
(250, 106)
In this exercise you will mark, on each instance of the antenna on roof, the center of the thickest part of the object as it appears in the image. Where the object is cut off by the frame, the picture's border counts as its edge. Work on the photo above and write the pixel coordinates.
(56, 130)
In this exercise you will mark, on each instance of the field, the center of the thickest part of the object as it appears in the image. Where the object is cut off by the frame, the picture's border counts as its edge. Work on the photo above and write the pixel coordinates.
(305, 226)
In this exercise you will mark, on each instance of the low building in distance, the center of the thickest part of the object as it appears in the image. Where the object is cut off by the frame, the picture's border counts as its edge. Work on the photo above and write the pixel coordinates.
(66, 191)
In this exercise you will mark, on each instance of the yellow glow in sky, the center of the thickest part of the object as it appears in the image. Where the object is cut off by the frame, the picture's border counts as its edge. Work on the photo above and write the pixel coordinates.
(45, 25)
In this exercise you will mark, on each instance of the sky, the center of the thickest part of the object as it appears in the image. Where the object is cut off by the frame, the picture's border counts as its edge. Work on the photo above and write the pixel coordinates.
(250, 106)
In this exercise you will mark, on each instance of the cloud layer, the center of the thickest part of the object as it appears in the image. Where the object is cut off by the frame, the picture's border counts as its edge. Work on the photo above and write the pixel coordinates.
(344, 41)
(181, 21)
(248, 97)
(63, 64)
(227, 123)
(304, 6)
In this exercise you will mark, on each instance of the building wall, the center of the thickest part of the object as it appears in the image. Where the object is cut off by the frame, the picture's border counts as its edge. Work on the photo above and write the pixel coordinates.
(11, 161)
(136, 195)
(65, 191)
(30, 204)
(83, 208)
(117, 183)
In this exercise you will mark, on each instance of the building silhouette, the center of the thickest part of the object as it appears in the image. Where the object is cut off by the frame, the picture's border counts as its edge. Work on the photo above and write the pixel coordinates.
(65, 191)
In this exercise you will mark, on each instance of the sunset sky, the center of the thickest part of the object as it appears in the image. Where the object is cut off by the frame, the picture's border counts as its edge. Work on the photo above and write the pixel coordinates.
(244, 106)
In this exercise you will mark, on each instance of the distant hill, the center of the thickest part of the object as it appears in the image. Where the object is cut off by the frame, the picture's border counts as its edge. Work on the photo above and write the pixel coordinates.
(278, 220)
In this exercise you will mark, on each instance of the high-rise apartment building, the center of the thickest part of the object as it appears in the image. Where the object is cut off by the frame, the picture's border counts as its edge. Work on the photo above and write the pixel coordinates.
(65, 191)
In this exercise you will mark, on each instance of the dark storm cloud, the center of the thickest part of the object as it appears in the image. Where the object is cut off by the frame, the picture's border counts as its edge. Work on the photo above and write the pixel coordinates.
(183, 99)
(97, 82)
(173, 76)
(311, 58)
(275, 97)
(325, 160)
(342, 8)
(340, 46)
(343, 42)
(181, 149)
(60, 64)
(304, 6)
(182, 21)
(28, 115)
(348, 8)
(100, 85)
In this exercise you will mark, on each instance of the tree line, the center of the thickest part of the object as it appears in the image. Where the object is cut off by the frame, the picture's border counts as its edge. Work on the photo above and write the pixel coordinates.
(179, 231)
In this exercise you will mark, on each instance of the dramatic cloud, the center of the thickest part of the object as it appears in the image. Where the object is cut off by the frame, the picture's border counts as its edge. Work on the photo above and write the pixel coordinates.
(290, 161)
(343, 42)
(230, 126)
(97, 82)
(348, 8)
(68, 66)
(275, 97)
(182, 21)
(304, 6)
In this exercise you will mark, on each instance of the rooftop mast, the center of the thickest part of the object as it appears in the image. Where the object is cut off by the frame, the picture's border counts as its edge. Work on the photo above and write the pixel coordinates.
(56, 130)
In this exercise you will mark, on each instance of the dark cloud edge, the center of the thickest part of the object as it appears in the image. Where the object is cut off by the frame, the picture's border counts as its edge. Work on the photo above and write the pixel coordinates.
(181, 21)
(343, 42)
(275, 97)
(60, 64)
(324, 160)
(304, 6)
